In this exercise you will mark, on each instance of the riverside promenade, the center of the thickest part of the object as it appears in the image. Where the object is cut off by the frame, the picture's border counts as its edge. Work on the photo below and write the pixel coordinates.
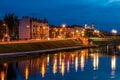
(71, 43)
(30, 41)
(14, 54)
(43, 46)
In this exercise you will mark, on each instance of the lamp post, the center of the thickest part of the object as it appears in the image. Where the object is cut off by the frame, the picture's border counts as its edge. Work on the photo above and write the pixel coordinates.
(6, 35)
(114, 32)
(63, 25)
(77, 33)
(6, 27)
(64, 30)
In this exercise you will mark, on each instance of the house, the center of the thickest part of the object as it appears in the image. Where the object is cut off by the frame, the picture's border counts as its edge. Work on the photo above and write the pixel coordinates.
(32, 28)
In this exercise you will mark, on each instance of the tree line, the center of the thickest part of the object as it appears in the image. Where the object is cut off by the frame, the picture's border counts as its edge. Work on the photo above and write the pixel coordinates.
(10, 22)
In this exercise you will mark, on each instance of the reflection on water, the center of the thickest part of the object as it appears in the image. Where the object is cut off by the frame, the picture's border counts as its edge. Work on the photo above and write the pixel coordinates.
(62, 68)
(43, 70)
(95, 61)
(83, 56)
(76, 63)
(113, 62)
(3, 71)
(83, 62)
(2, 75)
(113, 66)
(55, 64)
(26, 73)
(68, 66)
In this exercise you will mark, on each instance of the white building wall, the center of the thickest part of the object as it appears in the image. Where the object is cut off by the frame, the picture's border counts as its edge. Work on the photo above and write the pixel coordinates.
(24, 28)
(42, 30)
(32, 29)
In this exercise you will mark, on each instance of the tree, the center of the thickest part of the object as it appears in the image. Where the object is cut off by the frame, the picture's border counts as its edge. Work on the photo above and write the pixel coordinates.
(45, 20)
(12, 22)
(2, 29)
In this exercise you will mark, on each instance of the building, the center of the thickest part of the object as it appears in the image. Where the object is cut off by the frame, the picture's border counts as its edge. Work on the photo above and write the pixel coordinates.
(89, 27)
(66, 32)
(32, 28)
(76, 31)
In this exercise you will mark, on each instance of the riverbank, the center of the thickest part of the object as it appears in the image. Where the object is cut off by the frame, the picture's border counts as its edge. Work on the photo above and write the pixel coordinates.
(105, 41)
(21, 49)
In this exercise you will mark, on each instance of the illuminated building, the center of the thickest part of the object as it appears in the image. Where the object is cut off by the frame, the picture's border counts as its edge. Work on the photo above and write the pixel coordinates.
(65, 31)
(31, 28)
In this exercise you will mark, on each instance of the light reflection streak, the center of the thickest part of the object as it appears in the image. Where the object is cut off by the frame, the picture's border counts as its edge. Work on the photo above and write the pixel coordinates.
(72, 58)
(48, 59)
(68, 66)
(76, 63)
(2, 75)
(43, 69)
(82, 60)
(55, 65)
(95, 61)
(113, 66)
(63, 68)
(26, 73)
(113, 62)
(60, 59)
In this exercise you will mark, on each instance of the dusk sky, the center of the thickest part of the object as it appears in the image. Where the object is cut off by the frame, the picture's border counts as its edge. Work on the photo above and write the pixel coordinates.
(105, 14)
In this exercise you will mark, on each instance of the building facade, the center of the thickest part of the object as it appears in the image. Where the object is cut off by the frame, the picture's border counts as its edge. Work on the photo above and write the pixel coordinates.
(66, 32)
(31, 28)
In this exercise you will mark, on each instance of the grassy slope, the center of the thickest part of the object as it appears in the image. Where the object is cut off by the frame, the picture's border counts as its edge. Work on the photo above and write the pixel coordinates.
(5, 48)
(114, 41)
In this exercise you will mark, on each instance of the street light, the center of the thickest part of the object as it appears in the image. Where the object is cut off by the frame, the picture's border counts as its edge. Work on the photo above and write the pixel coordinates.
(6, 35)
(63, 25)
(64, 30)
(72, 34)
(83, 33)
(114, 32)
(77, 33)
(5, 25)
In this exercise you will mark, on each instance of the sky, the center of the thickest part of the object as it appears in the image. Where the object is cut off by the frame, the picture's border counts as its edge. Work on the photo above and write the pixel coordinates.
(105, 14)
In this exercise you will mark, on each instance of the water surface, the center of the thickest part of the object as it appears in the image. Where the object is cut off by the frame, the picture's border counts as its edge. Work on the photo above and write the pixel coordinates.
(89, 64)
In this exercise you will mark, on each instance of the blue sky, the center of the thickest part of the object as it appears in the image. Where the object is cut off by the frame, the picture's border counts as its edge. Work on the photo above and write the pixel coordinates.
(105, 14)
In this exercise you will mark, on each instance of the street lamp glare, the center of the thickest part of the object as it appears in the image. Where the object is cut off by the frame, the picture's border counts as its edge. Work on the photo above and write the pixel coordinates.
(63, 25)
(77, 31)
(114, 31)
(4, 24)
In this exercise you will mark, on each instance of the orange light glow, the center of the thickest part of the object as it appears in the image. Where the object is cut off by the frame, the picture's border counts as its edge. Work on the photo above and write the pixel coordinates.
(113, 62)
(43, 70)
(60, 59)
(95, 62)
(55, 66)
(68, 66)
(63, 68)
(2, 75)
(48, 58)
(63, 25)
(82, 62)
(76, 63)
(26, 73)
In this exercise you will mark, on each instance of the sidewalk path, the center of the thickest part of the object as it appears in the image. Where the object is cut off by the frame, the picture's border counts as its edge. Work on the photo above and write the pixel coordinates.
(15, 54)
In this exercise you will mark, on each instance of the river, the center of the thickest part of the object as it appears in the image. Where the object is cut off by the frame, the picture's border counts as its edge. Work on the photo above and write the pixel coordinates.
(88, 64)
